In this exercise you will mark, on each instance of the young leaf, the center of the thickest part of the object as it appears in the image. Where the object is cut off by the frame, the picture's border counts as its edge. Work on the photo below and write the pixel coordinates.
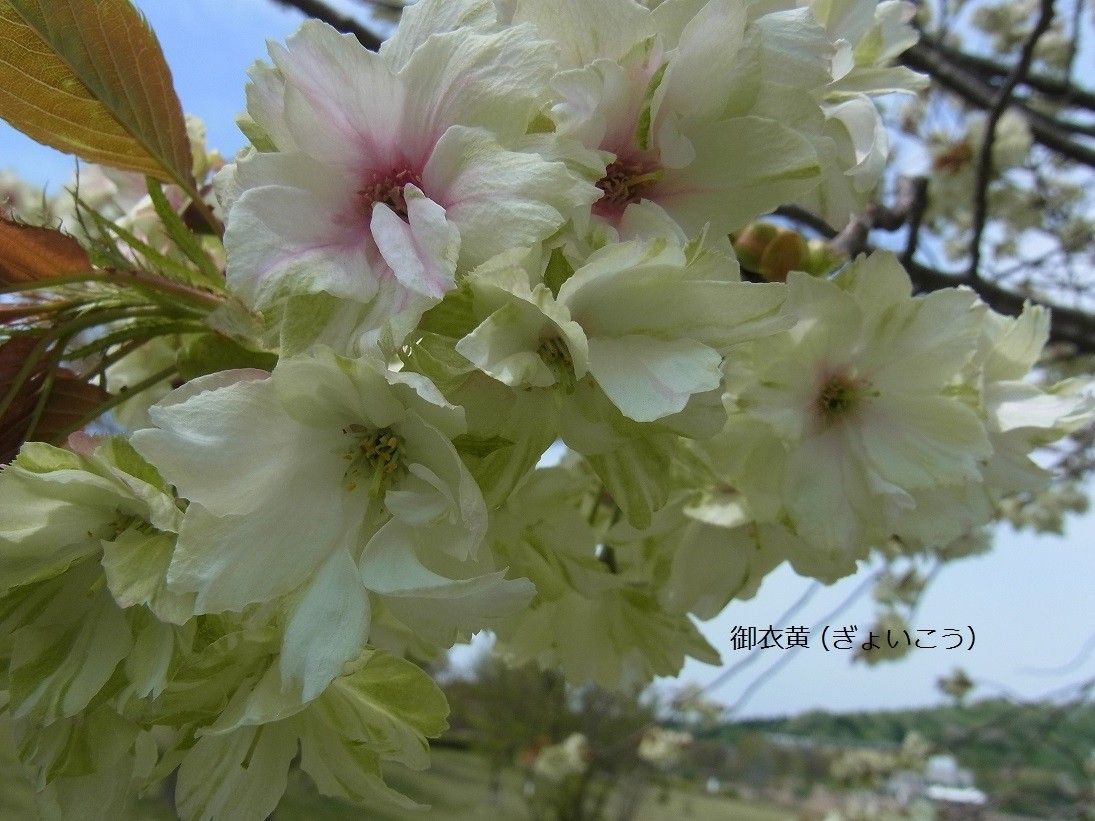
(210, 353)
(89, 78)
(182, 236)
(28, 253)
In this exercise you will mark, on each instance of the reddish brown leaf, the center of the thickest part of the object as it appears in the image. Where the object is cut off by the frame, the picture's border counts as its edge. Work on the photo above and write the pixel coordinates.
(69, 401)
(29, 253)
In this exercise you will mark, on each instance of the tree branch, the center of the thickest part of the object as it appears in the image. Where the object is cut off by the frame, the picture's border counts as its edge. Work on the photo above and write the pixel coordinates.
(911, 196)
(993, 72)
(977, 93)
(916, 211)
(347, 25)
(396, 6)
(1073, 127)
(999, 106)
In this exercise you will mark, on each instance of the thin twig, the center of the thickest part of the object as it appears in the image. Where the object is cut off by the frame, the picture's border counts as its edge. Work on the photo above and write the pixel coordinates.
(1075, 663)
(788, 655)
(196, 296)
(124, 395)
(754, 654)
(1074, 43)
(915, 219)
(1073, 127)
(139, 279)
(1063, 91)
(852, 240)
(397, 6)
(999, 106)
(974, 91)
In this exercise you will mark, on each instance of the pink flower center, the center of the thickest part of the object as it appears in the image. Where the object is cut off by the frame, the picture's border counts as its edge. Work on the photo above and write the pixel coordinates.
(625, 182)
(388, 189)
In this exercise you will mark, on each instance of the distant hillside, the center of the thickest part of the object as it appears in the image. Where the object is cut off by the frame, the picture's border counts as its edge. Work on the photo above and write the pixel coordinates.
(1029, 757)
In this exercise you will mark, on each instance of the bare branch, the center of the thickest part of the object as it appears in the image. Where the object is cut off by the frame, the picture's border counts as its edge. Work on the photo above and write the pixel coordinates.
(347, 25)
(395, 6)
(911, 194)
(790, 653)
(999, 106)
(1074, 41)
(916, 211)
(1073, 127)
(993, 72)
(975, 92)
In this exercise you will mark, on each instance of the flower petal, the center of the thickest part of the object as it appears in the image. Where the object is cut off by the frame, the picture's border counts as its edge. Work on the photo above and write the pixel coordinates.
(648, 378)
(327, 626)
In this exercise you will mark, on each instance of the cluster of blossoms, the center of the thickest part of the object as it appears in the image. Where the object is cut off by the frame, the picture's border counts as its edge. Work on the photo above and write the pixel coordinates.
(508, 228)
(1008, 24)
(954, 162)
(866, 768)
(569, 758)
(1032, 206)
(662, 747)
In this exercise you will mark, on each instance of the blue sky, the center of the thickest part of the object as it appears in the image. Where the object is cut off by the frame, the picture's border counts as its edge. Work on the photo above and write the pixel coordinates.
(1029, 600)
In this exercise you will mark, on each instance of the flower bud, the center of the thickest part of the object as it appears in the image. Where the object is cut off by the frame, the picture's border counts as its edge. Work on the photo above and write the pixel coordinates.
(822, 258)
(752, 241)
(771, 251)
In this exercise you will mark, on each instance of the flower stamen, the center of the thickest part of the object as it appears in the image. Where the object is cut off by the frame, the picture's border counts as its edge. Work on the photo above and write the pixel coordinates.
(389, 190)
(626, 182)
(554, 353)
(377, 455)
(839, 395)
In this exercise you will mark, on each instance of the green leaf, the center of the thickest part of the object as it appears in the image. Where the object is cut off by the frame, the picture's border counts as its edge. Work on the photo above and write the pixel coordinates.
(453, 316)
(389, 704)
(50, 519)
(255, 133)
(89, 762)
(558, 271)
(136, 564)
(434, 357)
(303, 318)
(347, 769)
(39, 457)
(637, 477)
(90, 78)
(211, 353)
(162, 263)
(642, 129)
(63, 659)
(119, 453)
(240, 775)
(480, 446)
